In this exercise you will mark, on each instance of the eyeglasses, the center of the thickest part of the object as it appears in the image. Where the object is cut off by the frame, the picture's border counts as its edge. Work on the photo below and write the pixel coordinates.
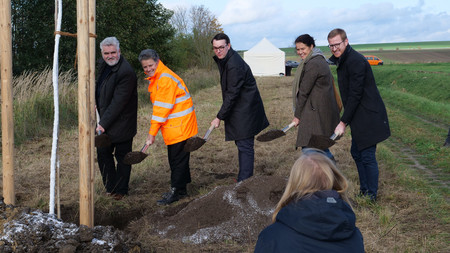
(221, 48)
(335, 45)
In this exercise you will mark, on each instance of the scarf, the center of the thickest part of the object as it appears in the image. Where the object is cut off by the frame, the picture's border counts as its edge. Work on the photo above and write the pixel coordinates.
(298, 74)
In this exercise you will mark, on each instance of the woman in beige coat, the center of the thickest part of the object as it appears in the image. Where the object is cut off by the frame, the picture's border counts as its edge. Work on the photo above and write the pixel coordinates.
(315, 107)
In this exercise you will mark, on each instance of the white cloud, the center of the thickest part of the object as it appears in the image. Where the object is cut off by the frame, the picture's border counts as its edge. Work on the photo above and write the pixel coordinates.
(243, 12)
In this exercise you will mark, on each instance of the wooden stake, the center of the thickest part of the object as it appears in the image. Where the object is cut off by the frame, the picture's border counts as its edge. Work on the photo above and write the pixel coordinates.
(7, 103)
(84, 116)
(92, 90)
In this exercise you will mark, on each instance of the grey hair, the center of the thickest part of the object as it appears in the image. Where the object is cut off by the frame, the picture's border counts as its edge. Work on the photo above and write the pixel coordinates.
(110, 41)
(148, 54)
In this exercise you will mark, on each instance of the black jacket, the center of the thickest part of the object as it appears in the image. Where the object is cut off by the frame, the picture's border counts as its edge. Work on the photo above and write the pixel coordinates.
(116, 100)
(364, 109)
(242, 108)
(320, 223)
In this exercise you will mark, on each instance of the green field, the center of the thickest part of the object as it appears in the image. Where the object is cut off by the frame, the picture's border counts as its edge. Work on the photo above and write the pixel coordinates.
(290, 51)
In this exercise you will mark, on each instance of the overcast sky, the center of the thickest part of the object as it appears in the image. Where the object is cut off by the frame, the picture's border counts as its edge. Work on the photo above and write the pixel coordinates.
(366, 21)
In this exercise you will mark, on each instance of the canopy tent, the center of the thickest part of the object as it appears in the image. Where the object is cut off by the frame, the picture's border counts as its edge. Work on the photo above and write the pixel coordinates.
(265, 59)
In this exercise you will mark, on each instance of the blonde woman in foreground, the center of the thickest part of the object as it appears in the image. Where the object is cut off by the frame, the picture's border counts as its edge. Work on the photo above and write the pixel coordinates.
(314, 214)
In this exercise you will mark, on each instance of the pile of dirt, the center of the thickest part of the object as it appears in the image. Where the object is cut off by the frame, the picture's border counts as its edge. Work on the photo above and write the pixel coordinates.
(234, 212)
(26, 230)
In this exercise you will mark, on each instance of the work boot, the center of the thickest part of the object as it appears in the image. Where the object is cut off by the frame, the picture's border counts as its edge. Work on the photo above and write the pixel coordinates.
(172, 196)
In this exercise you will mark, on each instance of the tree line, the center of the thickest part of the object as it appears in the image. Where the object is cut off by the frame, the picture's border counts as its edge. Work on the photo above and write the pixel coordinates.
(181, 37)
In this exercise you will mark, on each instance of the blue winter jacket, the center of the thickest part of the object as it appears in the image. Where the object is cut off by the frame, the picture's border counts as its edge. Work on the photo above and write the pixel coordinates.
(321, 223)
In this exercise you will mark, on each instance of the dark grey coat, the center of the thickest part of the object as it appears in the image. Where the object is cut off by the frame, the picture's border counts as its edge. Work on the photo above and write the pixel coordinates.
(316, 105)
(364, 109)
(242, 108)
(117, 101)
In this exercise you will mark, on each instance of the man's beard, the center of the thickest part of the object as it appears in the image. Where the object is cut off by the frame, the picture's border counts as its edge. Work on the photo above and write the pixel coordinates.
(112, 62)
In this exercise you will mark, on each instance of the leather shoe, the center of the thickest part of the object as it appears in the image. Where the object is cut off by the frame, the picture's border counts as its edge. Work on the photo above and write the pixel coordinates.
(117, 196)
(172, 196)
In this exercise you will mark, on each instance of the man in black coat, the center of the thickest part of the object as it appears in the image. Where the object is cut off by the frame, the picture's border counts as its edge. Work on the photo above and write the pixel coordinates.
(364, 109)
(242, 108)
(116, 102)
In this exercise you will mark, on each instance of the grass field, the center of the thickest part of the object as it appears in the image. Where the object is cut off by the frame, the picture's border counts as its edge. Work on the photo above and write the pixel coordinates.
(411, 215)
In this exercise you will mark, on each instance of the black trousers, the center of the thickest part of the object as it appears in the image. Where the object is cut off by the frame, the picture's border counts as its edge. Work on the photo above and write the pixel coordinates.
(179, 165)
(115, 179)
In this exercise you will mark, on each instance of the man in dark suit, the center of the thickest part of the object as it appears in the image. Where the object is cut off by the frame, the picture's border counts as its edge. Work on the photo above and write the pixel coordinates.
(116, 102)
(364, 109)
(242, 108)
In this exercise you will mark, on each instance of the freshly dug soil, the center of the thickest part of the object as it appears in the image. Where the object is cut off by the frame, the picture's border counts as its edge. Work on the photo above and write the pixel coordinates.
(234, 212)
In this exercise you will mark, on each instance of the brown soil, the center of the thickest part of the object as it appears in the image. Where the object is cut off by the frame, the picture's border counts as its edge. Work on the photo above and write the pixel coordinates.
(412, 56)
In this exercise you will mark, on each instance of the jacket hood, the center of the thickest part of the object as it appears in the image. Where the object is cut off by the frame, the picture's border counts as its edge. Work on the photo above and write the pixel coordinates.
(322, 216)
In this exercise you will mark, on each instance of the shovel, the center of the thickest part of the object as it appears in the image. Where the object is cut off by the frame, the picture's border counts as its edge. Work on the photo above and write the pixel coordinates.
(321, 141)
(135, 157)
(196, 142)
(101, 140)
(274, 134)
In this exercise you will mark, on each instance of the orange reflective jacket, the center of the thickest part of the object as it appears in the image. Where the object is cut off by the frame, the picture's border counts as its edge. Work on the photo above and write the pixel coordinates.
(173, 110)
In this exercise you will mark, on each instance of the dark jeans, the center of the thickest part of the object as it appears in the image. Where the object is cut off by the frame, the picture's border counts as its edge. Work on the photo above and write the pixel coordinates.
(115, 179)
(367, 169)
(246, 154)
(179, 165)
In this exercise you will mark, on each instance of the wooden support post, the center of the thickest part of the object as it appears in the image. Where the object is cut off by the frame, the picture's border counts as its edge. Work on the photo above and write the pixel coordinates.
(92, 88)
(7, 103)
(84, 116)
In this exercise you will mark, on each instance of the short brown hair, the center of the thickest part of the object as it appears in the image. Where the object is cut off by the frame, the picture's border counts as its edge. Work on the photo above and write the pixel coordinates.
(337, 31)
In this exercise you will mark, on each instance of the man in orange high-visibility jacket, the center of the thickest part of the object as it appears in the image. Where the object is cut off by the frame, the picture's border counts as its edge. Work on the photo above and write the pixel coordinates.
(173, 113)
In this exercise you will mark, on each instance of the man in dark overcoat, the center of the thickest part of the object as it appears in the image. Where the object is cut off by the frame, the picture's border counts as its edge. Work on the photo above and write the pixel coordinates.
(116, 101)
(364, 109)
(242, 108)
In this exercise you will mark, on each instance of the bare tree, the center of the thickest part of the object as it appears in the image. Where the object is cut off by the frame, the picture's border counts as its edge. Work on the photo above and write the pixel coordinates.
(198, 27)
(180, 20)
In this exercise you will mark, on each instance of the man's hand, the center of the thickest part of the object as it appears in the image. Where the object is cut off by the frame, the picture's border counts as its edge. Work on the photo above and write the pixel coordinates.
(340, 129)
(215, 122)
(99, 129)
(296, 121)
(150, 140)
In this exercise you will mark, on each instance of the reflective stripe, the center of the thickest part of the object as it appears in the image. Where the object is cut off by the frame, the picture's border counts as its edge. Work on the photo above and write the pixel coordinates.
(164, 105)
(173, 115)
(178, 100)
(182, 113)
(175, 80)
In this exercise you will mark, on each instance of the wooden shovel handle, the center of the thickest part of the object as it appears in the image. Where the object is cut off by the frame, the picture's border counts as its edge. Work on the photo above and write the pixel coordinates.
(208, 132)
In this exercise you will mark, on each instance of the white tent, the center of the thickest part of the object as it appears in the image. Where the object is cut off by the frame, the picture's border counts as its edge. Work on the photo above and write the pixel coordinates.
(265, 59)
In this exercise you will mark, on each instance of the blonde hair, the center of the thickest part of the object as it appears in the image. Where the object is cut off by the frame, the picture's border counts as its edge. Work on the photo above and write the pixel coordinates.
(312, 172)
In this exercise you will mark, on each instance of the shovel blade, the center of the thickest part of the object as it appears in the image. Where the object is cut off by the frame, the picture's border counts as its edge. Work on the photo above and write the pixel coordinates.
(193, 144)
(102, 141)
(320, 142)
(270, 135)
(134, 157)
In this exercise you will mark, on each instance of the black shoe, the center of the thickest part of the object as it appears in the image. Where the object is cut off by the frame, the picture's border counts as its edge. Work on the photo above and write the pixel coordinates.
(182, 192)
(172, 196)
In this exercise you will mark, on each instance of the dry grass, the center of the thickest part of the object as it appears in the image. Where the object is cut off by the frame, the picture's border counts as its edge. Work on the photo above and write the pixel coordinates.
(30, 84)
(401, 221)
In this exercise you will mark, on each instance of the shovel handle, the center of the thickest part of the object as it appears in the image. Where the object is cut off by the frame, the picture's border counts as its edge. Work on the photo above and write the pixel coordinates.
(144, 148)
(333, 137)
(286, 128)
(208, 132)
